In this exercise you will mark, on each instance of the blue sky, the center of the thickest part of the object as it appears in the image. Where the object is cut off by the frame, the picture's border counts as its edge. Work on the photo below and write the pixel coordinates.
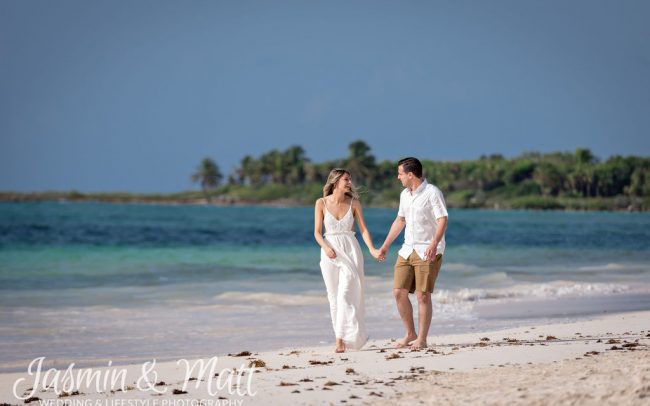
(130, 96)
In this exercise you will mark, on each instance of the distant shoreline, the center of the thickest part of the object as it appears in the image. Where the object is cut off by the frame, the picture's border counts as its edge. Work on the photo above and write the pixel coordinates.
(563, 181)
(196, 199)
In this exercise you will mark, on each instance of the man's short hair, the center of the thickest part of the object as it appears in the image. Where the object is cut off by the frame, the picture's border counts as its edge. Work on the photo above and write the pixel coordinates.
(411, 164)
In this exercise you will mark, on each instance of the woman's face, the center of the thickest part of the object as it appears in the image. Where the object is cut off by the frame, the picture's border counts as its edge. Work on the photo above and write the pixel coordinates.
(345, 183)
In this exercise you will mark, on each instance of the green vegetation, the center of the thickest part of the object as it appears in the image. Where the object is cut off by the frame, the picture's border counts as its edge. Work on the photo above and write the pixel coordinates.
(556, 181)
(208, 175)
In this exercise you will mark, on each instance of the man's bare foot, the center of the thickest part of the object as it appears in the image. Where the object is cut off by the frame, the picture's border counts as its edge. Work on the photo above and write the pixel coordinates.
(404, 342)
(419, 345)
(340, 346)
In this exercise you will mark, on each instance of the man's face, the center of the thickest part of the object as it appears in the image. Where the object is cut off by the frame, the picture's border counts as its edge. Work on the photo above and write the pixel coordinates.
(404, 177)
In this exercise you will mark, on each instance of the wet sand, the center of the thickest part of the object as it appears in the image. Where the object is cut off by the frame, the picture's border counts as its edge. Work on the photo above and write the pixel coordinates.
(601, 360)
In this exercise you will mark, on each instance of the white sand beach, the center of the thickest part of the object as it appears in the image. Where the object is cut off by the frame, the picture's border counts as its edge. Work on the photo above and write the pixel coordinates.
(598, 360)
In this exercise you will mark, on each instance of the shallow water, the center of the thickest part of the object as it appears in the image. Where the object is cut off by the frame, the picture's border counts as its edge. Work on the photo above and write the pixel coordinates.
(94, 281)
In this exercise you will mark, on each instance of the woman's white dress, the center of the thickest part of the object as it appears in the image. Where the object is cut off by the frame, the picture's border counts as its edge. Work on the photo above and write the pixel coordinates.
(343, 278)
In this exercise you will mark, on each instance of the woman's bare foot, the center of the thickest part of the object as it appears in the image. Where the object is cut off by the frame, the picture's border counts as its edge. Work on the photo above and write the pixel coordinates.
(404, 342)
(419, 345)
(340, 346)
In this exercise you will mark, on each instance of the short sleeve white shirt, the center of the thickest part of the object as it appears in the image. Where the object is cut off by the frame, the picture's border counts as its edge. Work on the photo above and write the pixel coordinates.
(421, 209)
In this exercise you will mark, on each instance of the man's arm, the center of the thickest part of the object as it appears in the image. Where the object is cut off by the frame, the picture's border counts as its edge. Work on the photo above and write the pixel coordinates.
(395, 230)
(430, 253)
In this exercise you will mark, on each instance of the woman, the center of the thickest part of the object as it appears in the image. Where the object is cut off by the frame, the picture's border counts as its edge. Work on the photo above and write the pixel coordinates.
(341, 258)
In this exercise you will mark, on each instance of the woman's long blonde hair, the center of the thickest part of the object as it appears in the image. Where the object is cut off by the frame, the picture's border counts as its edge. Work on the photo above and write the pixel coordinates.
(333, 179)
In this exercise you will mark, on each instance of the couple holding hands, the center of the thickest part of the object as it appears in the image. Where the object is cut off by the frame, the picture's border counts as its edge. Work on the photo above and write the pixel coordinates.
(422, 211)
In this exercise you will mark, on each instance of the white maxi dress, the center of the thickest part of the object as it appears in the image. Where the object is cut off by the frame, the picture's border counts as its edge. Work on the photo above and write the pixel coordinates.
(344, 279)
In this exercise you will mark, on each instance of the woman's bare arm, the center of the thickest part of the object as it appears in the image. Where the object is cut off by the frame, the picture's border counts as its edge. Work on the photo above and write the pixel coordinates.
(318, 228)
(365, 233)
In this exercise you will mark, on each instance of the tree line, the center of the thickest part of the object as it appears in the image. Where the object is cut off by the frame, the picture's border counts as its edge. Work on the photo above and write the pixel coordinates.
(493, 178)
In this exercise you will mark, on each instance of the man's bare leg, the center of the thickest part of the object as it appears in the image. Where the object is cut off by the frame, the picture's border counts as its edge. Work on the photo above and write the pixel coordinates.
(425, 310)
(406, 313)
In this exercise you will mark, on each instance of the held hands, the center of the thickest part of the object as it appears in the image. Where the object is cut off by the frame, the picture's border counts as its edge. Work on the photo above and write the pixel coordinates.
(378, 254)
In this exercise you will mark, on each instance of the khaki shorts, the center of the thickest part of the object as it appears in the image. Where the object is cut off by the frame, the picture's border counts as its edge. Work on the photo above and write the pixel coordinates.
(415, 274)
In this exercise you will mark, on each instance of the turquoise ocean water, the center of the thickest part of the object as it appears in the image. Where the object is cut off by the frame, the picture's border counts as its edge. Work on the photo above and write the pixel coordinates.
(89, 282)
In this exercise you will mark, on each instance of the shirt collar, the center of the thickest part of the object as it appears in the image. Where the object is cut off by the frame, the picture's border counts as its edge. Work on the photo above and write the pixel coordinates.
(421, 187)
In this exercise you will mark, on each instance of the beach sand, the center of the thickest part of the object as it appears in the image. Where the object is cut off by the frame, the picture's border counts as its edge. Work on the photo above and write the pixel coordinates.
(603, 359)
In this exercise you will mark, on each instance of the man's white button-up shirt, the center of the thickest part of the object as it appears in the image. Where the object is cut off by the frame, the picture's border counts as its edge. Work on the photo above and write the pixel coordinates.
(421, 209)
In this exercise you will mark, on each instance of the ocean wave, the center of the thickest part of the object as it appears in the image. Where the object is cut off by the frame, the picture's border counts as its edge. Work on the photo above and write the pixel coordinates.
(449, 301)
(271, 298)
(614, 267)
(461, 267)
(539, 290)
(493, 277)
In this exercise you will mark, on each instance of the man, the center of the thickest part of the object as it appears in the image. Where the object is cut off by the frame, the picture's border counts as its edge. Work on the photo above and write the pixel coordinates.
(422, 210)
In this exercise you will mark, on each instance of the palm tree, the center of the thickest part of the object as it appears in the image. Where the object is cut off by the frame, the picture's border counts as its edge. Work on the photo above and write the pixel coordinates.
(249, 171)
(295, 161)
(360, 162)
(273, 166)
(209, 175)
(585, 156)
